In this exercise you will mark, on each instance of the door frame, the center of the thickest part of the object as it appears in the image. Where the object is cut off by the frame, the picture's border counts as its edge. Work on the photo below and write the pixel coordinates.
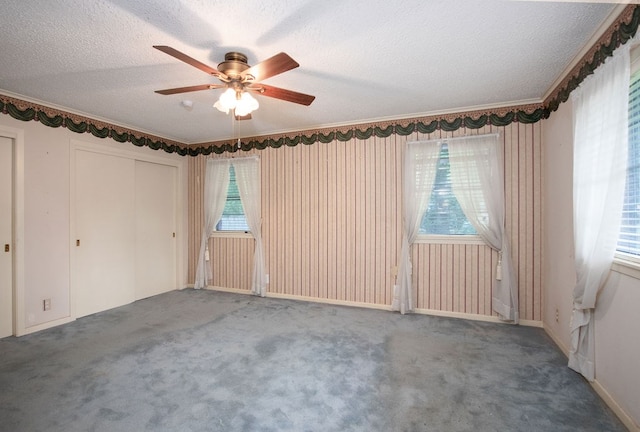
(17, 136)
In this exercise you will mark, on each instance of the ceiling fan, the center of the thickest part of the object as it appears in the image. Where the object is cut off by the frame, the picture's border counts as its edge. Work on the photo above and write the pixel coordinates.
(240, 79)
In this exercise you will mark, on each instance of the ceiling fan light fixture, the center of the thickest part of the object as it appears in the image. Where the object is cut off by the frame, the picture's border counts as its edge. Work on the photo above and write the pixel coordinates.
(227, 101)
(240, 101)
(246, 104)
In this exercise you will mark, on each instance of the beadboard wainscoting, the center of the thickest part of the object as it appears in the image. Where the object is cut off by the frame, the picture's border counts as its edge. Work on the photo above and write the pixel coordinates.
(332, 225)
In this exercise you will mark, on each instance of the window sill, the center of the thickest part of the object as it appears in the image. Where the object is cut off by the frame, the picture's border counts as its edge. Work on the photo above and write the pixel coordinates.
(232, 234)
(626, 266)
(455, 239)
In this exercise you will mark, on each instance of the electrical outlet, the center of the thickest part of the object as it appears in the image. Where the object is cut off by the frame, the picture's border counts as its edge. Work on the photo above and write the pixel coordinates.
(46, 304)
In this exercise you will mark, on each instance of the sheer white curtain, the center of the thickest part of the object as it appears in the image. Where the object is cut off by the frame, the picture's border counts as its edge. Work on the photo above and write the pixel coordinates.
(600, 130)
(216, 184)
(478, 184)
(248, 180)
(420, 163)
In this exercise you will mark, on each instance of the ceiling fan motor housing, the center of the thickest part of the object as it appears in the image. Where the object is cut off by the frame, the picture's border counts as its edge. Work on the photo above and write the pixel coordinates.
(234, 64)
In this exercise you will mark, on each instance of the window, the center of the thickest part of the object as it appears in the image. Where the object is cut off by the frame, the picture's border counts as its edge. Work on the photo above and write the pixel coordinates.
(443, 216)
(233, 218)
(629, 240)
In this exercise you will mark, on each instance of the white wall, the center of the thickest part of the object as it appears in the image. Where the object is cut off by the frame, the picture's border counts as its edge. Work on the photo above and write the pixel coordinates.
(45, 168)
(558, 255)
(617, 321)
(618, 342)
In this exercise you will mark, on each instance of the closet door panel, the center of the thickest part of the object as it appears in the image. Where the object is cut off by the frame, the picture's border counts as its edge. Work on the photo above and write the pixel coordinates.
(105, 232)
(155, 229)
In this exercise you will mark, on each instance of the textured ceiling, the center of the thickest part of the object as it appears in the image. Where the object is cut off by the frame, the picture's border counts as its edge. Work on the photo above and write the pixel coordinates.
(364, 60)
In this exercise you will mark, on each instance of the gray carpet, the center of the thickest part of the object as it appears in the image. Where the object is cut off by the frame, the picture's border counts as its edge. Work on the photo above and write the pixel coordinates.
(208, 361)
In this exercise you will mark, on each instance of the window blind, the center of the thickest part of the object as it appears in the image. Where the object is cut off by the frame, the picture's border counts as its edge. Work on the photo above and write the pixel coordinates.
(233, 218)
(629, 240)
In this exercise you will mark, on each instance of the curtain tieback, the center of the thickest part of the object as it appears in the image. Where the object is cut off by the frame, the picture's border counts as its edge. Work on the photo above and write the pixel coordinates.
(499, 267)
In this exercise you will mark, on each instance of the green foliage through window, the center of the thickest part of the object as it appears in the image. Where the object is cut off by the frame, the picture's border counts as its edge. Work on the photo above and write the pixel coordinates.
(233, 218)
(444, 215)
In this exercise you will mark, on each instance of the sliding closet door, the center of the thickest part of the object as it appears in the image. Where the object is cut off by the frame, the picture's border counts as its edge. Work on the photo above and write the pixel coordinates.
(105, 232)
(6, 237)
(155, 229)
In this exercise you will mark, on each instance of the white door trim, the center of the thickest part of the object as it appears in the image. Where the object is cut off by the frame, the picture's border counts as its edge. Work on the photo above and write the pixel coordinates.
(17, 135)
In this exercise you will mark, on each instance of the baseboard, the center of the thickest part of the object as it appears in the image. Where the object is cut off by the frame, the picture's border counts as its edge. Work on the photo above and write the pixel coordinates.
(230, 290)
(615, 407)
(65, 320)
(304, 298)
(44, 326)
(557, 340)
(330, 301)
(473, 317)
(602, 392)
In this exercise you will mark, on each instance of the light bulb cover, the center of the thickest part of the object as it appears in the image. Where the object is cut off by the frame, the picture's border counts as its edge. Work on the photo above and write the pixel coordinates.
(242, 102)
(227, 101)
(246, 104)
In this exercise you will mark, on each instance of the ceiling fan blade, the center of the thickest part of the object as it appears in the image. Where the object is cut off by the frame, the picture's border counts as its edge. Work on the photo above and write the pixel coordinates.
(189, 89)
(272, 66)
(188, 60)
(284, 94)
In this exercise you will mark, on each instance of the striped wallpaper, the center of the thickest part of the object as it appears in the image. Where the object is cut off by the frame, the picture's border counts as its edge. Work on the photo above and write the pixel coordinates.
(332, 227)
